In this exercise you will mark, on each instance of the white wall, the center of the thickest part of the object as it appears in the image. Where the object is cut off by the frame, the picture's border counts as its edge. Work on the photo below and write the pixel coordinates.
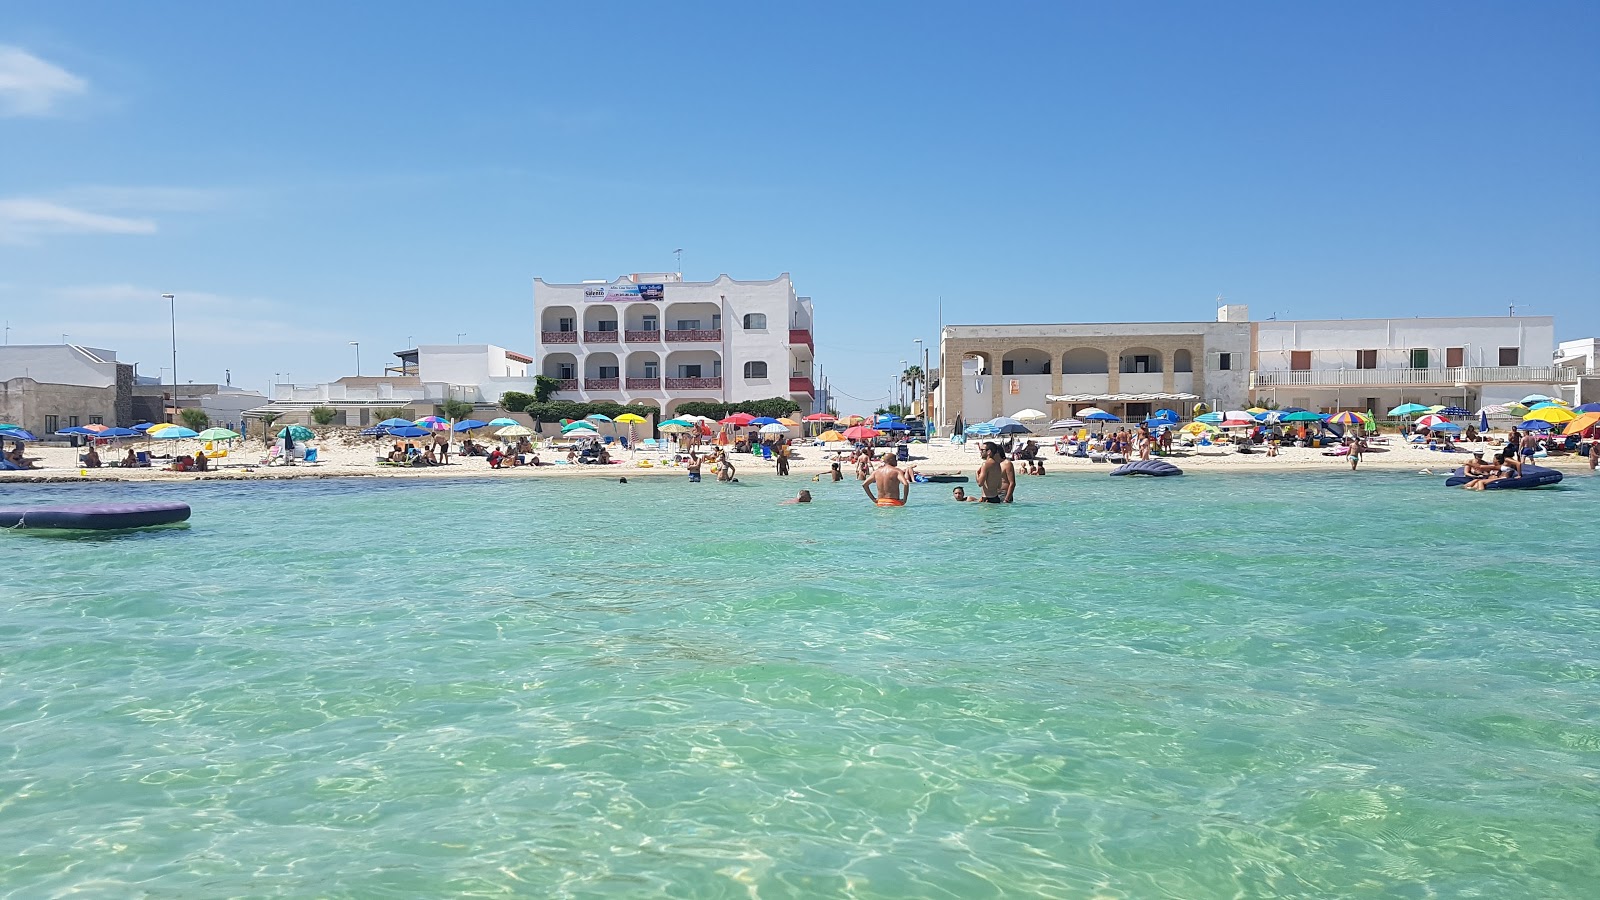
(58, 364)
(466, 363)
(1334, 342)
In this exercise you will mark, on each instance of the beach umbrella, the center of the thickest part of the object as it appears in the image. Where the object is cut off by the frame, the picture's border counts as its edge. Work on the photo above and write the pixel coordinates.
(96, 427)
(1555, 415)
(1210, 418)
(1533, 398)
(597, 417)
(788, 422)
(579, 425)
(1430, 420)
(830, 436)
(114, 433)
(1303, 416)
(1348, 418)
(1587, 408)
(497, 423)
(1066, 424)
(860, 433)
(1483, 421)
(820, 417)
(851, 420)
(1256, 410)
(740, 419)
(1445, 426)
(631, 419)
(514, 431)
(407, 430)
(469, 425)
(150, 429)
(1095, 414)
(218, 434)
(74, 429)
(298, 432)
(774, 428)
(1012, 428)
(427, 421)
(764, 420)
(1029, 415)
(16, 433)
(1586, 420)
(1537, 425)
(1546, 404)
(143, 427)
(675, 426)
(1407, 410)
(982, 429)
(176, 432)
(394, 423)
(1197, 428)
(1454, 411)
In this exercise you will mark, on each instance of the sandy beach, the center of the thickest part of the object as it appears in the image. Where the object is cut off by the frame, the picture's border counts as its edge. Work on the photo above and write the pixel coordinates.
(350, 456)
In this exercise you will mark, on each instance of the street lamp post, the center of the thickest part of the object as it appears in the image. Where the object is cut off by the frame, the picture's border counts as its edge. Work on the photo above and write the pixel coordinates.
(357, 345)
(172, 310)
(460, 335)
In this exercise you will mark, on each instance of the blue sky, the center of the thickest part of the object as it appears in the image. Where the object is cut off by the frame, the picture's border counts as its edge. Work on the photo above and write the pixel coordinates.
(304, 175)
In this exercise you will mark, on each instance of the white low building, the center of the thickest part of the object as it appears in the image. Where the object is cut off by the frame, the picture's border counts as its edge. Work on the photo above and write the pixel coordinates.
(424, 377)
(1378, 364)
(659, 339)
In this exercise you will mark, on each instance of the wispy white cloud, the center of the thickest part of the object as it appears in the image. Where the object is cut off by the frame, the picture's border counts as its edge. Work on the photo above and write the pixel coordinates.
(23, 218)
(29, 86)
(134, 316)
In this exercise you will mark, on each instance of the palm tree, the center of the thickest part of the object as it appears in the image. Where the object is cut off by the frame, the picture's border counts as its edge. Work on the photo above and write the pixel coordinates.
(912, 377)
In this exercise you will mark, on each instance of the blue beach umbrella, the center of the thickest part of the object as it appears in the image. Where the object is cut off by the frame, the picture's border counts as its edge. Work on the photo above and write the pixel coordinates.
(407, 430)
(17, 434)
(764, 420)
(503, 422)
(142, 427)
(1445, 426)
(392, 423)
(176, 432)
(118, 433)
(1455, 411)
(1483, 420)
(1407, 410)
(1525, 425)
(75, 429)
(982, 429)
(469, 424)
(1210, 418)
(1587, 407)
(1101, 415)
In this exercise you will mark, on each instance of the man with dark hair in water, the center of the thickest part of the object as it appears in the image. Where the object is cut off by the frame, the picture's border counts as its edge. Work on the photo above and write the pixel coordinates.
(991, 481)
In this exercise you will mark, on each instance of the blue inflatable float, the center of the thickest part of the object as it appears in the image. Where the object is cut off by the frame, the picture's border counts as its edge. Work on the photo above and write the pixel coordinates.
(1156, 467)
(96, 517)
(1531, 477)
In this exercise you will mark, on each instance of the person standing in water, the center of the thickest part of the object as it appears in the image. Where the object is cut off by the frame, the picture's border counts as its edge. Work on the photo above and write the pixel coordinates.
(991, 483)
(893, 488)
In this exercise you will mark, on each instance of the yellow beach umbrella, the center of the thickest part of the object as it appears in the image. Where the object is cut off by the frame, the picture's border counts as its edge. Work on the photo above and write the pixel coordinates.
(1582, 422)
(1555, 415)
(1255, 410)
(1197, 428)
(788, 422)
(158, 426)
(630, 419)
(829, 436)
(514, 431)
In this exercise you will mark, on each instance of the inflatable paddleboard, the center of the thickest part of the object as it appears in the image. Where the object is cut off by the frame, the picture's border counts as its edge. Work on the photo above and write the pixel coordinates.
(96, 516)
(1157, 467)
(1532, 477)
(940, 479)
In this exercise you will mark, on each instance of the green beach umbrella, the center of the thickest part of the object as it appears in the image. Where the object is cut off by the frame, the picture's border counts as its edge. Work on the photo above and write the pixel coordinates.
(298, 432)
(579, 425)
(218, 434)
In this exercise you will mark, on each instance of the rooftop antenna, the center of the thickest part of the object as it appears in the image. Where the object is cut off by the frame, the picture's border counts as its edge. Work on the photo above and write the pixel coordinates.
(679, 254)
(1511, 310)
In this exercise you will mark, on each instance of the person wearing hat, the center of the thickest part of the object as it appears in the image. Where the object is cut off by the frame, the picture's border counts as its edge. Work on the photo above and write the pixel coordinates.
(1478, 467)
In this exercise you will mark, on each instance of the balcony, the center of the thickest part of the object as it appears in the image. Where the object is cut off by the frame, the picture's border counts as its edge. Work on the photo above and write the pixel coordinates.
(802, 386)
(643, 337)
(600, 337)
(802, 336)
(602, 384)
(694, 384)
(1460, 376)
(642, 384)
(559, 337)
(566, 384)
(699, 335)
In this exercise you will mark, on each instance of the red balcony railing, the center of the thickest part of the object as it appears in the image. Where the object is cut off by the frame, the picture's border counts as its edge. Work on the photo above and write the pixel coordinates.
(801, 336)
(643, 337)
(694, 384)
(602, 384)
(600, 337)
(643, 384)
(566, 384)
(802, 386)
(699, 335)
(559, 337)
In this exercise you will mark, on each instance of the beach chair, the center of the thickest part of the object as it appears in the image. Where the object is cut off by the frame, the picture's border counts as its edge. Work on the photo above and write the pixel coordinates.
(144, 459)
(902, 453)
(311, 455)
(766, 452)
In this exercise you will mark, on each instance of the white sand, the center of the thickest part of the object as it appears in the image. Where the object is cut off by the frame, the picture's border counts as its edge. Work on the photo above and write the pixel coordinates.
(351, 456)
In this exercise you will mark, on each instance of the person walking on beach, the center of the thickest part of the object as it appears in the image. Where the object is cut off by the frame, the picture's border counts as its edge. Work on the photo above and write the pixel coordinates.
(889, 481)
(1356, 446)
(990, 483)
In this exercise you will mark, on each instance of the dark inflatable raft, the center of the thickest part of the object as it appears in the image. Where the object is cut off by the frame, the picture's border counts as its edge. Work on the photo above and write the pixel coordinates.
(1531, 477)
(1157, 467)
(941, 479)
(96, 516)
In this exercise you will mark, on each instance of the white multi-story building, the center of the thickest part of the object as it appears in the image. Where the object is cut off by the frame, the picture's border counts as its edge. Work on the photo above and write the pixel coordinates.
(424, 377)
(1378, 364)
(657, 338)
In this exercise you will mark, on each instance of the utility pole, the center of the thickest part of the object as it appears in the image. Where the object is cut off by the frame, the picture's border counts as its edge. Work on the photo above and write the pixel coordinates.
(173, 311)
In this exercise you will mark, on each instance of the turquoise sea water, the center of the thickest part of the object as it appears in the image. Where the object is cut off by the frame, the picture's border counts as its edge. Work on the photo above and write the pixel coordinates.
(1212, 686)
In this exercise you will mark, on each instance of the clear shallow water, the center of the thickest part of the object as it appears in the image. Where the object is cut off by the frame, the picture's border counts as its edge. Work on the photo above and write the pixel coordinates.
(1209, 686)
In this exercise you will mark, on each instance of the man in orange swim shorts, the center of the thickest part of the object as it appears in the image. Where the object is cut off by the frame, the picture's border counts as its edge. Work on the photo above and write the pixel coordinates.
(894, 488)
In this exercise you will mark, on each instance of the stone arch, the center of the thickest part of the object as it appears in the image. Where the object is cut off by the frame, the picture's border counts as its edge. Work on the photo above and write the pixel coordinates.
(985, 363)
(1025, 361)
(1085, 361)
(1136, 359)
(1182, 361)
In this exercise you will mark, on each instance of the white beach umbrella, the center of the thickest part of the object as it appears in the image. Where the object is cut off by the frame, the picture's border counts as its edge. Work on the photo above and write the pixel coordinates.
(1065, 424)
(1030, 415)
(774, 428)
